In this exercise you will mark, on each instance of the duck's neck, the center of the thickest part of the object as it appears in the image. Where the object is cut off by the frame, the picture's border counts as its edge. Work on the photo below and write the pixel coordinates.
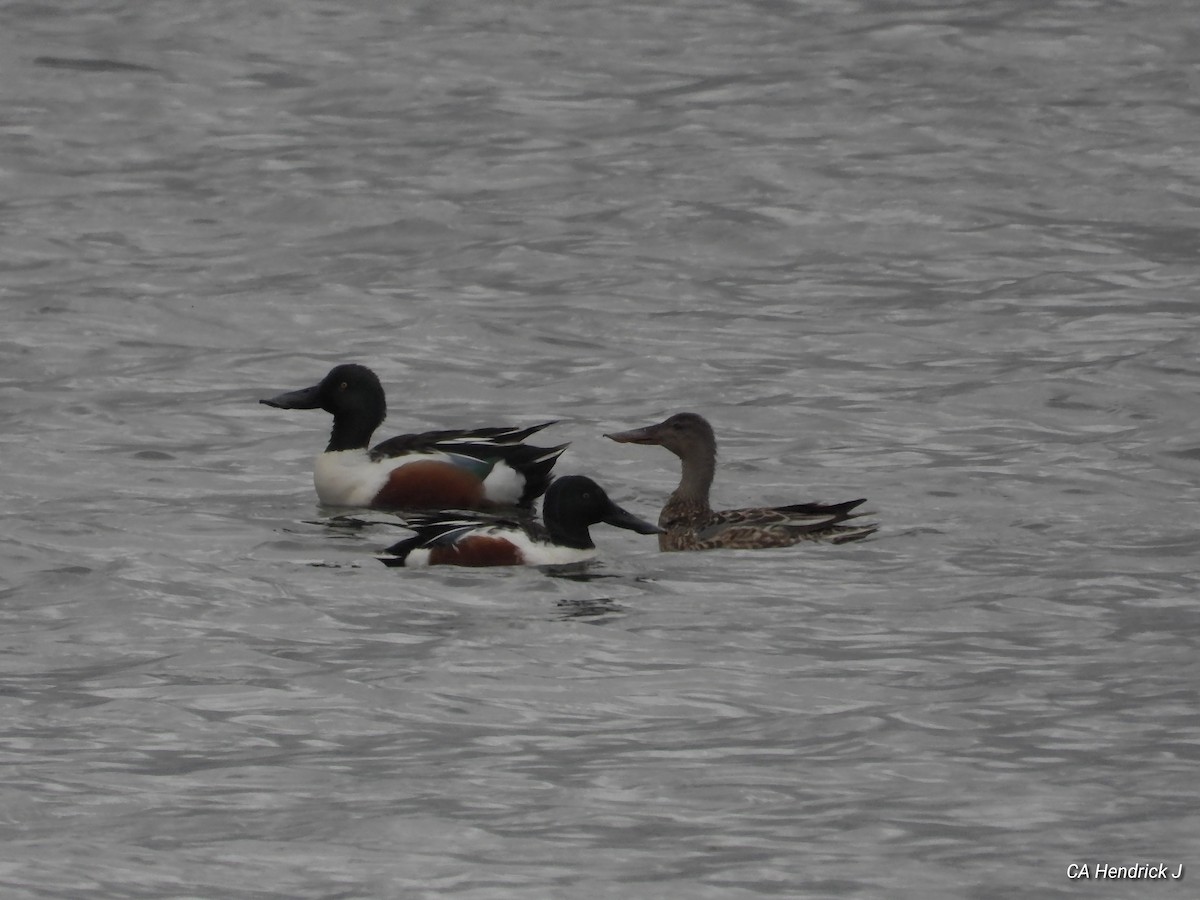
(351, 432)
(691, 497)
(566, 534)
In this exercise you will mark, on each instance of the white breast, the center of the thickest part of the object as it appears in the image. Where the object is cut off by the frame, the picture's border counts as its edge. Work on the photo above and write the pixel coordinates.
(504, 485)
(537, 553)
(349, 478)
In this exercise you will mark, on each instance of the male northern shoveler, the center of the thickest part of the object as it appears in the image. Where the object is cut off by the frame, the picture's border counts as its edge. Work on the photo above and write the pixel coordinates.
(689, 523)
(477, 469)
(572, 504)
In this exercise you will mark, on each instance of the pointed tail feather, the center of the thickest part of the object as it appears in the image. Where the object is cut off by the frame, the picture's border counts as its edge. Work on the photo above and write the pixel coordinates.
(826, 520)
(500, 436)
(535, 465)
(844, 534)
(477, 441)
(823, 509)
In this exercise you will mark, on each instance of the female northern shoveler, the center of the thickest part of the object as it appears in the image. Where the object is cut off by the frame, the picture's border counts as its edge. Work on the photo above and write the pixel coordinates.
(476, 469)
(689, 523)
(572, 504)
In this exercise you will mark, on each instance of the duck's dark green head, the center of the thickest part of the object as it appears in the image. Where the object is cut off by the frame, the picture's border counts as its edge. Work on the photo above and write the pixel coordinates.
(352, 394)
(574, 502)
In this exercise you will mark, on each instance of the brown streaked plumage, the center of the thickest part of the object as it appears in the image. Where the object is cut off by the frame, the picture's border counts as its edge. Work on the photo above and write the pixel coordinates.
(689, 522)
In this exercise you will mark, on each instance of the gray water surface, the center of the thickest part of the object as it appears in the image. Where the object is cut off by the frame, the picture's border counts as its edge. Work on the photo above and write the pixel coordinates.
(941, 255)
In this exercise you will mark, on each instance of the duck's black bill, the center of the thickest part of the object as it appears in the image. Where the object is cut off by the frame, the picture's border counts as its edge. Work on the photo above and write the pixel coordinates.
(625, 519)
(308, 398)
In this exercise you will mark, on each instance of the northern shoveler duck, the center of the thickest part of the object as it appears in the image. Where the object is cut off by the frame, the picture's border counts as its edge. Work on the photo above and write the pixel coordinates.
(572, 504)
(689, 523)
(477, 469)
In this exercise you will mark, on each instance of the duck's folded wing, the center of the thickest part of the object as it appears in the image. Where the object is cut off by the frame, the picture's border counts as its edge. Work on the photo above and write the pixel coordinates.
(782, 525)
(470, 441)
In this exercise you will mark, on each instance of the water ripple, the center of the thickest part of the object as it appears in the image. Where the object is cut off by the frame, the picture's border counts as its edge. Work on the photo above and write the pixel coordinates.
(939, 257)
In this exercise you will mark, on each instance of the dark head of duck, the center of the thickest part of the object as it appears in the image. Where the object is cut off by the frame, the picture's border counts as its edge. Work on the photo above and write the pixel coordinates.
(352, 394)
(574, 502)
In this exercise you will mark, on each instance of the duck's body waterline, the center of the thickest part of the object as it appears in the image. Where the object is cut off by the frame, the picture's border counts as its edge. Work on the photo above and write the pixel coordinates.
(572, 504)
(480, 468)
(688, 521)
(497, 545)
(422, 481)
